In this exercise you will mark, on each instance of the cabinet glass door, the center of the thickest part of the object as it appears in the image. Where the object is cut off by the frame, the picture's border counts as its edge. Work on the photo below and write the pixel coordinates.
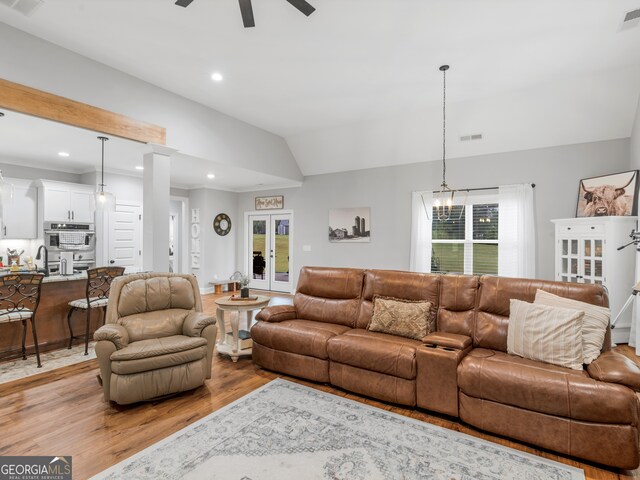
(569, 260)
(592, 260)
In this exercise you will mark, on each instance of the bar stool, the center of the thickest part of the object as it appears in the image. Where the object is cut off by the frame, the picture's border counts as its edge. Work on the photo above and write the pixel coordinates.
(19, 299)
(97, 296)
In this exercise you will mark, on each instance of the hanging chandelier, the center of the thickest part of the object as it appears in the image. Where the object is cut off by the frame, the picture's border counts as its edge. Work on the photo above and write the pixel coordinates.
(104, 200)
(444, 197)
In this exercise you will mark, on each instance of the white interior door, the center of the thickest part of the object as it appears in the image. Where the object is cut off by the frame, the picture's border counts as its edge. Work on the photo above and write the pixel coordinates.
(259, 248)
(125, 237)
(269, 247)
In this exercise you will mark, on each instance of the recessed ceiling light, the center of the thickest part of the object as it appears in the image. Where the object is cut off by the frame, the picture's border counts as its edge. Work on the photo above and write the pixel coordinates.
(139, 167)
(217, 77)
(211, 176)
(63, 154)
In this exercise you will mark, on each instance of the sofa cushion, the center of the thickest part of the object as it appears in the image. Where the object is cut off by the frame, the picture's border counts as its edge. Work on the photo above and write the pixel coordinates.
(161, 323)
(547, 334)
(304, 337)
(540, 387)
(594, 324)
(405, 318)
(155, 293)
(157, 353)
(378, 352)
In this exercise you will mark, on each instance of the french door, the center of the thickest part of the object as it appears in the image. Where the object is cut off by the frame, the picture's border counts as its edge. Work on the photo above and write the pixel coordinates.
(269, 251)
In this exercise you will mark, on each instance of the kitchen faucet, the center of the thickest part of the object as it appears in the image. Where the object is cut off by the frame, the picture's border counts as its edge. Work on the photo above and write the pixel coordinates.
(46, 259)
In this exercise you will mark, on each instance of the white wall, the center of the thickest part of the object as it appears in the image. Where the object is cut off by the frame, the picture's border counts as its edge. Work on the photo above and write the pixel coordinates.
(635, 140)
(218, 258)
(556, 172)
(191, 127)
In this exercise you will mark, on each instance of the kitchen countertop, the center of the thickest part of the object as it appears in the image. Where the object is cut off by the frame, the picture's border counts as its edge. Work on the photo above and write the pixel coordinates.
(52, 278)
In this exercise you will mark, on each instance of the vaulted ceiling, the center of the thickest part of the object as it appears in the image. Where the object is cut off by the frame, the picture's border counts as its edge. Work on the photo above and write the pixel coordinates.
(356, 84)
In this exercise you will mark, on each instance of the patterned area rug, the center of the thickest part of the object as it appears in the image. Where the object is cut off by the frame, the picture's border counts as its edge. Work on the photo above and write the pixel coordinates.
(287, 431)
(16, 369)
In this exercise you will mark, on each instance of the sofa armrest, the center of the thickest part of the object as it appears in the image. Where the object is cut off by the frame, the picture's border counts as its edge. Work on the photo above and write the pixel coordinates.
(114, 333)
(448, 340)
(277, 313)
(196, 322)
(613, 367)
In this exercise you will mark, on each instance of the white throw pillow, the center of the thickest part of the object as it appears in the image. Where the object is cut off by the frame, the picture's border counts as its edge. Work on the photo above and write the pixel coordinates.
(594, 325)
(548, 334)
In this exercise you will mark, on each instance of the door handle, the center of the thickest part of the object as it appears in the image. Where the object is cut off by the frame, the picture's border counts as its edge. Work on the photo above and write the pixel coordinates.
(68, 214)
(73, 215)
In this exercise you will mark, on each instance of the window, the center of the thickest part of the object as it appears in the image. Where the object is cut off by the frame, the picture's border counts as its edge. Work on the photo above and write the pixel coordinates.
(467, 242)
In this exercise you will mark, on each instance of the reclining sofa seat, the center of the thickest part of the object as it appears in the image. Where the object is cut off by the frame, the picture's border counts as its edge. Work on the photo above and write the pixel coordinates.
(156, 340)
(461, 369)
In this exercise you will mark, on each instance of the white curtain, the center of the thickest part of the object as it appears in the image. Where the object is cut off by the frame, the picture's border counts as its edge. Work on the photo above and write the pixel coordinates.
(421, 208)
(516, 232)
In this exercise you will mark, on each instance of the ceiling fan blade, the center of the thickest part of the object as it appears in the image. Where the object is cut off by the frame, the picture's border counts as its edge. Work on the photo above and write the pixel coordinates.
(303, 6)
(246, 9)
(183, 3)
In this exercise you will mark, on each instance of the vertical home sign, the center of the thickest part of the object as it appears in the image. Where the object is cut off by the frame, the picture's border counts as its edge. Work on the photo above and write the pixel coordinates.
(195, 238)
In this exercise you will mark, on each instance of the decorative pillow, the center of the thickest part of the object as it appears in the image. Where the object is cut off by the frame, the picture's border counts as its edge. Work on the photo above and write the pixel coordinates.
(405, 318)
(548, 334)
(594, 325)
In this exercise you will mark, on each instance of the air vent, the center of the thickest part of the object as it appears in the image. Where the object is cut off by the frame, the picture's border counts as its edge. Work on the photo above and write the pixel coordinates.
(633, 15)
(631, 20)
(468, 138)
(25, 7)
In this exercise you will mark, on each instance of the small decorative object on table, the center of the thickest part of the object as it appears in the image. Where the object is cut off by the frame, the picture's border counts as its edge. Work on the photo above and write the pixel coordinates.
(244, 281)
(240, 298)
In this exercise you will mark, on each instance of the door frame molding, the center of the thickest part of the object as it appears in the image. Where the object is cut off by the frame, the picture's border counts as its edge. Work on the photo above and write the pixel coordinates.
(245, 241)
(185, 241)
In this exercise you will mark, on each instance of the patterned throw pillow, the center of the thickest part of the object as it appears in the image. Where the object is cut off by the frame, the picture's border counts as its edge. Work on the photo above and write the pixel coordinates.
(594, 326)
(548, 334)
(405, 318)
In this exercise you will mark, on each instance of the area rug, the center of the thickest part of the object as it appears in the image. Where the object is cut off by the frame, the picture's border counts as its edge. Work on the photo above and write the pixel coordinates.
(16, 369)
(287, 431)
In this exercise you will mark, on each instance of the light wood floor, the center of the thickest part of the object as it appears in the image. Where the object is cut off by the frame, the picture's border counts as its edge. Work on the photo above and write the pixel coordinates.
(62, 413)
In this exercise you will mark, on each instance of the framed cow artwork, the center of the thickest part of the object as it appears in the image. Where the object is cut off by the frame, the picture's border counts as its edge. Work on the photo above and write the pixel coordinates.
(608, 195)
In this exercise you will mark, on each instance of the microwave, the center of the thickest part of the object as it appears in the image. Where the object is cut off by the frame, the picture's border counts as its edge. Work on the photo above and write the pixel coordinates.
(69, 236)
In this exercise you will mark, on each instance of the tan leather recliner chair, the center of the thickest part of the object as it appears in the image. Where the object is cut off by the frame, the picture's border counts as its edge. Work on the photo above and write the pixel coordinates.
(156, 340)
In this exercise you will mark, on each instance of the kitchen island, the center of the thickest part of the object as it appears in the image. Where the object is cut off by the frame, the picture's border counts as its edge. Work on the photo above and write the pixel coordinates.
(51, 318)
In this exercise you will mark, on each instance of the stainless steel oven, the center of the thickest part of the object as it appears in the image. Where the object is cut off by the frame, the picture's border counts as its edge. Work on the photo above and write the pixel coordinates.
(79, 238)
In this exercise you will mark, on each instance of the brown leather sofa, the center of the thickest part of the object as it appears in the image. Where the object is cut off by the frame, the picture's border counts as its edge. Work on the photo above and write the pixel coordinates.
(156, 341)
(462, 369)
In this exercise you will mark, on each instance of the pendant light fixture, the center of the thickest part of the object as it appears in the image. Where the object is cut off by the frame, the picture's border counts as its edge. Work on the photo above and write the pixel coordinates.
(104, 200)
(444, 197)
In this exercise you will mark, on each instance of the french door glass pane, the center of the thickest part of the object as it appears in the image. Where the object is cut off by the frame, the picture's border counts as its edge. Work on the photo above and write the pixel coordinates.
(485, 258)
(258, 250)
(281, 251)
(447, 258)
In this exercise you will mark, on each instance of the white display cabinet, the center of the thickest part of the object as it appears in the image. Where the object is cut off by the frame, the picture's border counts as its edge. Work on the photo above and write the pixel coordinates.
(587, 252)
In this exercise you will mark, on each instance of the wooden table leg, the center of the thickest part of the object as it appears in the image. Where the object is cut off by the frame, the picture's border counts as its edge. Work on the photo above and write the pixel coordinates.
(221, 326)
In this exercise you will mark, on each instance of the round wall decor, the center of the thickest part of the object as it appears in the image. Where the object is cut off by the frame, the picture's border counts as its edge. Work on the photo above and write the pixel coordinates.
(222, 224)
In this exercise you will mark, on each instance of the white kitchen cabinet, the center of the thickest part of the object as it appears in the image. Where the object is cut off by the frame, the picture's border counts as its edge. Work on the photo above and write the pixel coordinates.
(587, 252)
(66, 202)
(19, 210)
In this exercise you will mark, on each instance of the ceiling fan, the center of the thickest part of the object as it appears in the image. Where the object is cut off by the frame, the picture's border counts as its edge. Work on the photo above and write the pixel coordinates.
(246, 9)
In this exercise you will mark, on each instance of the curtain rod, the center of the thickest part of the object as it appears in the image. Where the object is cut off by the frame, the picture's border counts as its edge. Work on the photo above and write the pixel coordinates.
(533, 185)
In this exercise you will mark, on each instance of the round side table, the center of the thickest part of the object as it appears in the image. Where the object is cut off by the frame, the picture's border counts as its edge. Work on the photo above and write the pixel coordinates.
(235, 307)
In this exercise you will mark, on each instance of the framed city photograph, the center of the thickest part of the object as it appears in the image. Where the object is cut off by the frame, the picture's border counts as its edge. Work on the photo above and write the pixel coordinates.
(350, 225)
(608, 195)
(270, 203)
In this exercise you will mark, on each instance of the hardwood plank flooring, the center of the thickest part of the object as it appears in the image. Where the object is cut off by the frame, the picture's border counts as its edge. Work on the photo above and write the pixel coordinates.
(63, 413)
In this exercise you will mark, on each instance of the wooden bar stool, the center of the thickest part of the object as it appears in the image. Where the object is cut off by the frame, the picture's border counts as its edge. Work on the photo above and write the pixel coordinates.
(97, 296)
(19, 299)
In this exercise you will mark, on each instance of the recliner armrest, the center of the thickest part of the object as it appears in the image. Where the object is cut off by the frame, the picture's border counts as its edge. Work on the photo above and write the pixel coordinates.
(448, 340)
(277, 313)
(114, 333)
(613, 367)
(196, 322)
